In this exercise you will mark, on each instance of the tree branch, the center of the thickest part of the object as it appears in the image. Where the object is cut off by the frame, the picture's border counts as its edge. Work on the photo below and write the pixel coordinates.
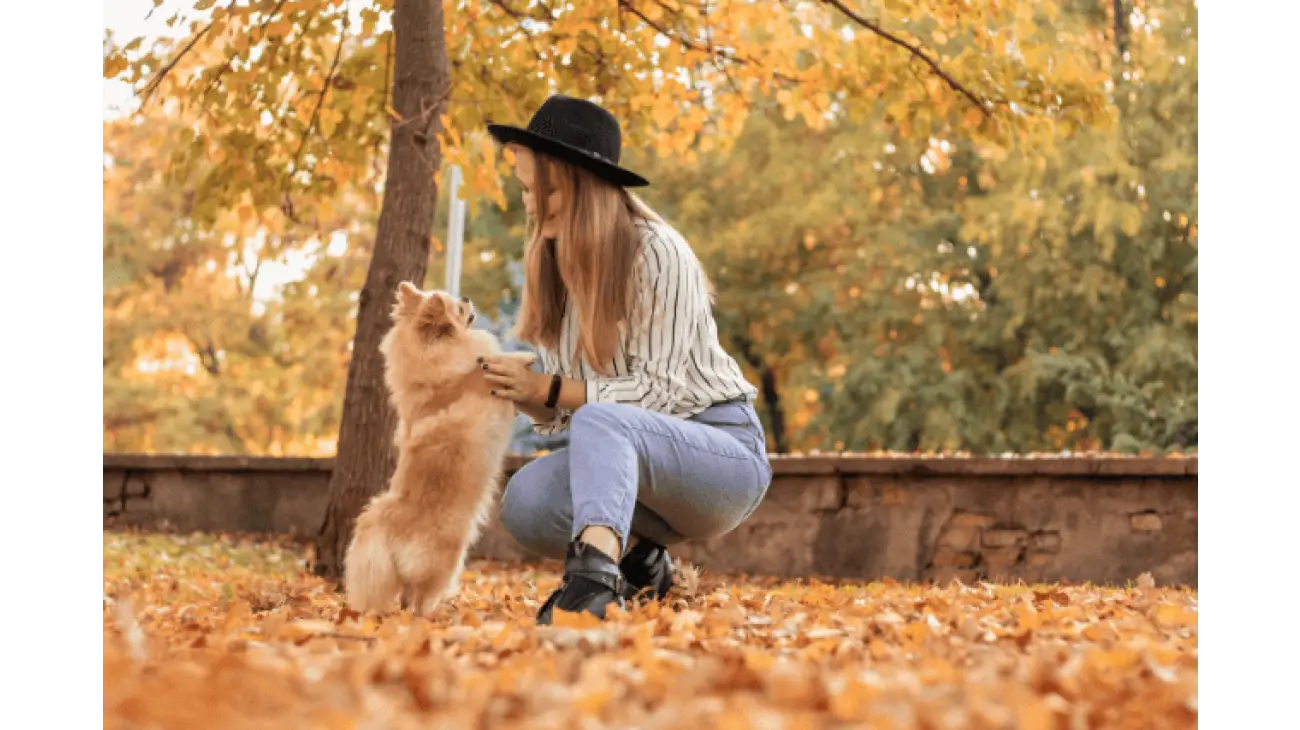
(230, 58)
(315, 115)
(206, 353)
(157, 78)
(710, 50)
(916, 51)
(252, 275)
(521, 17)
(167, 68)
(376, 168)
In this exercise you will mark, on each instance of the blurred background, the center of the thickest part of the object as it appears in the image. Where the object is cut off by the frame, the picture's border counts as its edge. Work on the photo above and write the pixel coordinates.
(934, 227)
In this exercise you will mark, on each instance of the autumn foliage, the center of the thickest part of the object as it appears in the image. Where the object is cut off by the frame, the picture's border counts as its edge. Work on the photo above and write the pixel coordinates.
(934, 226)
(222, 632)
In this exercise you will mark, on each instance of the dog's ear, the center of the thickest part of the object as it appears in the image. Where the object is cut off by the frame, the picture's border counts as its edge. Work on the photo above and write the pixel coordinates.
(435, 318)
(408, 300)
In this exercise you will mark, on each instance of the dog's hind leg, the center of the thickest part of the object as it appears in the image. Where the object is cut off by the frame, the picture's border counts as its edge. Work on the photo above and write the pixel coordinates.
(453, 583)
(438, 575)
(370, 578)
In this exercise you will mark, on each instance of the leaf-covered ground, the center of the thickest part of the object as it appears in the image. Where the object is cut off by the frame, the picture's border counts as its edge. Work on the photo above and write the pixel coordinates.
(219, 632)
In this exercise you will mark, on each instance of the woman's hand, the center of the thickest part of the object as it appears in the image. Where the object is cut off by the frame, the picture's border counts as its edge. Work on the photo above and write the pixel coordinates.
(513, 379)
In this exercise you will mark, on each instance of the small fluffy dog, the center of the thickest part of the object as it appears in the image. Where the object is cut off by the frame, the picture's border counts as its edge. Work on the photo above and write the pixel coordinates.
(452, 434)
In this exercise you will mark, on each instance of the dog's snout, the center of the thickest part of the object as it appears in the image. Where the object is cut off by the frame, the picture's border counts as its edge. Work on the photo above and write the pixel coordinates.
(465, 299)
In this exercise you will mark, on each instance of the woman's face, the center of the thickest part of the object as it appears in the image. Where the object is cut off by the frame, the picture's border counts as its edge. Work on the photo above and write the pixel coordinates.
(526, 173)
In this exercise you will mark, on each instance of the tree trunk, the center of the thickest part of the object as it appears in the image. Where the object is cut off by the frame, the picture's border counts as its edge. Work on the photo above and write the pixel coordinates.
(771, 396)
(1121, 29)
(365, 449)
(775, 414)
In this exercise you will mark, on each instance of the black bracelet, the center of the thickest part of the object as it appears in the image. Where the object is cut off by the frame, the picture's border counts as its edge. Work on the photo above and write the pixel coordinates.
(553, 397)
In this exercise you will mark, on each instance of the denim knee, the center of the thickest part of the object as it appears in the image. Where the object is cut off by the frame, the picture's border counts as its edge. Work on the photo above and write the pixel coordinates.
(531, 517)
(605, 415)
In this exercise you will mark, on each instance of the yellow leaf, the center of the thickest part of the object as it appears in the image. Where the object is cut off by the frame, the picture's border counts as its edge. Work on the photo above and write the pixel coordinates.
(574, 620)
(114, 65)
(592, 702)
(664, 113)
(1027, 616)
(759, 661)
(236, 615)
(1034, 714)
(329, 120)
(1170, 615)
(1132, 221)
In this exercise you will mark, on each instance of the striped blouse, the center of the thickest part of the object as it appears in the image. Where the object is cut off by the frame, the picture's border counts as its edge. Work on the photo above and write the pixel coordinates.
(670, 360)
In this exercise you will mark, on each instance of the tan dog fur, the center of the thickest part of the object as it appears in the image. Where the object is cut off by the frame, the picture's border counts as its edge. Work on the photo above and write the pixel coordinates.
(410, 541)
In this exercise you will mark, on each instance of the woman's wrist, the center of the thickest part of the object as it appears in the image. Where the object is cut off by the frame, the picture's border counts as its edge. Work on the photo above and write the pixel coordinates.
(541, 388)
(536, 412)
(551, 396)
(573, 393)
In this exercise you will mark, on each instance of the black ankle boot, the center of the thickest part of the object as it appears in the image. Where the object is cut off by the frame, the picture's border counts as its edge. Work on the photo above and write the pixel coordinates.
(647, 571)
(592, 582)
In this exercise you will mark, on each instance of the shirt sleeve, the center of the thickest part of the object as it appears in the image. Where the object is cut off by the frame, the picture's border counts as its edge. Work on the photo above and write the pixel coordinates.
(555, 425)
(669, 305)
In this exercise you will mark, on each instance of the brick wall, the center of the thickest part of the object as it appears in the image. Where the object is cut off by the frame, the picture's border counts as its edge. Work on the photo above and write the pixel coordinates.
(1104, 520)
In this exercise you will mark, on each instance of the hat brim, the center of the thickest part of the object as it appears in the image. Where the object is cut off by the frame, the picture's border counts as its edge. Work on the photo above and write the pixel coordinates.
(506, 134)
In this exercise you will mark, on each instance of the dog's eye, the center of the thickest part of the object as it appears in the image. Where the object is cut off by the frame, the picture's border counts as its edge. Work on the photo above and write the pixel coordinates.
(460, 309)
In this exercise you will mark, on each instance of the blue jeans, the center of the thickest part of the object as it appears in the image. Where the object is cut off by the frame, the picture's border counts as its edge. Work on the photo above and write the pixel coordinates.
(641, 473)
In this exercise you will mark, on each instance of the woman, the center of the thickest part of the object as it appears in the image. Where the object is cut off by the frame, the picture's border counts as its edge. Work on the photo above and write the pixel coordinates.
(664, 443)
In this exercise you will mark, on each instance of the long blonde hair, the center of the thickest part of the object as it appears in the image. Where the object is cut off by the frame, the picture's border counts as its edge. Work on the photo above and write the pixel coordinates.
(591, 261)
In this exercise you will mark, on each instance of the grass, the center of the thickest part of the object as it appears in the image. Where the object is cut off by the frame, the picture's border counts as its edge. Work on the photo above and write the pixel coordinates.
(232, 632)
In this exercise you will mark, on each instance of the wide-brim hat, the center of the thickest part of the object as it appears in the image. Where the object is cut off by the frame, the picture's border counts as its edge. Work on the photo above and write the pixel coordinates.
(578, 132)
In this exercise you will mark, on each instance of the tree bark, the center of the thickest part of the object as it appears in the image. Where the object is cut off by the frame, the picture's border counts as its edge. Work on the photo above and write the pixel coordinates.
(1121, 28)
(771, 395)
(775, 414)
(365, 448)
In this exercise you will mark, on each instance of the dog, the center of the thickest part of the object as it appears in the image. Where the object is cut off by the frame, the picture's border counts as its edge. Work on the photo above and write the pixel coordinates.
(452, 434)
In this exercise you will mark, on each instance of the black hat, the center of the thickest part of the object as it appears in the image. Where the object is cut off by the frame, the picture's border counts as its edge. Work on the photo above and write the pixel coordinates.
(578, 132)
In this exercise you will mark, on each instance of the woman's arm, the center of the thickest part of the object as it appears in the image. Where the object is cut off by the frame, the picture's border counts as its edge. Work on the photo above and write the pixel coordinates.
(672, 298)
(513, 380)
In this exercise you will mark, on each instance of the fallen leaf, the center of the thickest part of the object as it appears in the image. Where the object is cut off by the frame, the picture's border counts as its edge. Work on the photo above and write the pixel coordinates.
(183, 649)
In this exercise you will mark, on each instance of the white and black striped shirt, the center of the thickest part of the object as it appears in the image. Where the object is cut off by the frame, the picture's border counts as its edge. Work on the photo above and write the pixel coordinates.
(669, 359)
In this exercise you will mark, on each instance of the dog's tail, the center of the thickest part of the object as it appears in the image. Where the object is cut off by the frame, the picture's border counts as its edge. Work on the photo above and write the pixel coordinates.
(369, 575)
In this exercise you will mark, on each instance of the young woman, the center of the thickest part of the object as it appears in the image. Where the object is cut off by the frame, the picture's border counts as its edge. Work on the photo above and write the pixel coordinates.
(664, 442)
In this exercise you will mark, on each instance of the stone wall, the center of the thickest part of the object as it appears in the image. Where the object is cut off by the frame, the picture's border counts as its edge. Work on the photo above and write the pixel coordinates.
(1104, 520)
